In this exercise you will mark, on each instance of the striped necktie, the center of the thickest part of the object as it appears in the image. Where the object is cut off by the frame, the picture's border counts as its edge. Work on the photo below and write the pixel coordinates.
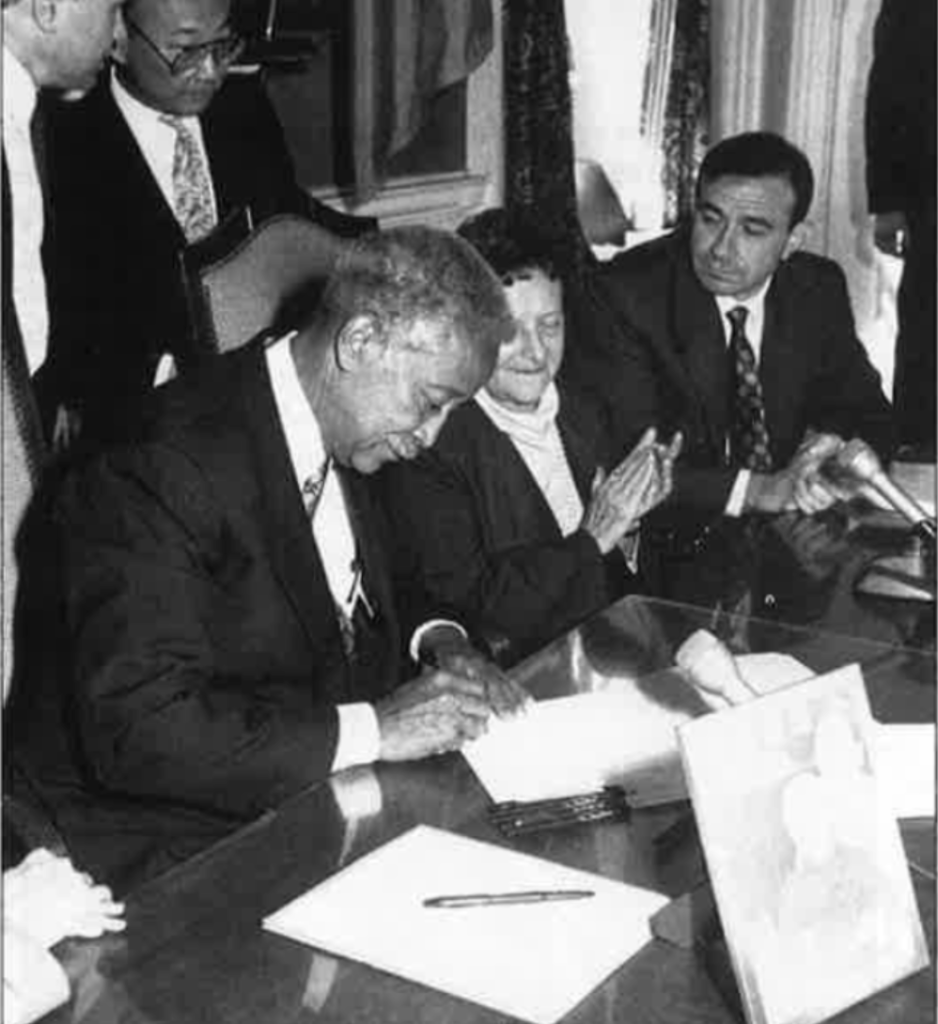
(749, 438)
(192, 187)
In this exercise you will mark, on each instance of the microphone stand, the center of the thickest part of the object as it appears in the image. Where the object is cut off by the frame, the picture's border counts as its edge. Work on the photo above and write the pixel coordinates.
(909, 574)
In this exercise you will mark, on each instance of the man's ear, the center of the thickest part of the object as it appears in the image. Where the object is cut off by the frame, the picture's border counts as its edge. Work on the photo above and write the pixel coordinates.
(796, 239)
(119, 43)
(45, 14)
(360, 342)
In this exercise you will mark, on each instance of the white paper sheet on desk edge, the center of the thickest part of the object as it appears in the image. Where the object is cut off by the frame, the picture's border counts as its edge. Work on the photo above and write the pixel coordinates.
(579, 743)
(532, 961)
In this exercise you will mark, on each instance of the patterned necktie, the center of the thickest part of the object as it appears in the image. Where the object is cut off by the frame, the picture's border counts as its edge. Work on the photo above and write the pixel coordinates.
(312, 489)
(192, 188)
(749, 438)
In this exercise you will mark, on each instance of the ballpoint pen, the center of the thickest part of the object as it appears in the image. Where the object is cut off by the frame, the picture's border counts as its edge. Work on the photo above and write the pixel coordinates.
(495, 899)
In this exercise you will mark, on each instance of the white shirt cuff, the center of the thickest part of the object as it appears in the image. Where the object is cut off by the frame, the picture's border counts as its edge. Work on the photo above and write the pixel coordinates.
(34, 982)
(737, 498)
(359, 738)
(422, 630)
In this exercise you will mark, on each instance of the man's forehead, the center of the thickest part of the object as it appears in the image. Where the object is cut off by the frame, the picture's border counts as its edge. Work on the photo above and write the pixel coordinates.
(182, 17)
(771, 198)
(443, 357)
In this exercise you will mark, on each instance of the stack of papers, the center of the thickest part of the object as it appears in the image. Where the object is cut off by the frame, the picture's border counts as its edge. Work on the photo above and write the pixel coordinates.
(534, 961)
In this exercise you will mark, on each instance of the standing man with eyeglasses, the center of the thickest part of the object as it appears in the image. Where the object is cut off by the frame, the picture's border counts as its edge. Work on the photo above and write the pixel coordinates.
(163, 150)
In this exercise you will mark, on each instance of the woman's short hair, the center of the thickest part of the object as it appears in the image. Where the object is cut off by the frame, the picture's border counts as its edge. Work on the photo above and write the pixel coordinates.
(509, 244)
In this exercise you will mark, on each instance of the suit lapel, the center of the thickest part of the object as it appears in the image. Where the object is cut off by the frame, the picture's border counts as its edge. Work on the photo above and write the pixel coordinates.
(578, 447)
(132, 178)
(702, 347)
(287, 532)
(516, 494)
(375, 573)
(223, 163)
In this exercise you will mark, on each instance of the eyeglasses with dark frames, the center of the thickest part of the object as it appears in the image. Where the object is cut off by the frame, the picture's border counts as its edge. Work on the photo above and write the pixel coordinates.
(190, 59)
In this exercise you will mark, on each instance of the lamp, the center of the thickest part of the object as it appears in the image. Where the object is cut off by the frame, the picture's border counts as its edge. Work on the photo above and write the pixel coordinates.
(601, 215)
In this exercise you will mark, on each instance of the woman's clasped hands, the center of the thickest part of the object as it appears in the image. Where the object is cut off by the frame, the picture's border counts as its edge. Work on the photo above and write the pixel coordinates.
(642, 480)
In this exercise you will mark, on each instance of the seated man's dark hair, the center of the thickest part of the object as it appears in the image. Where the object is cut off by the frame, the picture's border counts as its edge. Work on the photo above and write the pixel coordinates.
(761, 155)
(509, 244)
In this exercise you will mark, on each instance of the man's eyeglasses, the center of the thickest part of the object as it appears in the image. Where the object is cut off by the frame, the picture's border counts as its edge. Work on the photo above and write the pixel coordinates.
(189, 60)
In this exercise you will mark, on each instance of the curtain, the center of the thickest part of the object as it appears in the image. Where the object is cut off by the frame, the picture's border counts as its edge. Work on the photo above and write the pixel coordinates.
(687, 108)
(539, 170)
(406, 51)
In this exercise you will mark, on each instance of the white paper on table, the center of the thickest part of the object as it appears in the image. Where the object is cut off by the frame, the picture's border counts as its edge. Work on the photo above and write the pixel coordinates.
(905, 763)
(769, 671)
(533, 961)
(575, 744)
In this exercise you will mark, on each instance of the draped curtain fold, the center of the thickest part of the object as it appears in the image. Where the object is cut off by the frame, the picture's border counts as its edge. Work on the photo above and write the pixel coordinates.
(539, 170)
(407, 51)
(687, 109)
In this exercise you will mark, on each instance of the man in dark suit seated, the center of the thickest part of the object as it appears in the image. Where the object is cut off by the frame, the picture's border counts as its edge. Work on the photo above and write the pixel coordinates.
(742, 342)
(166, 146)
(231, 632)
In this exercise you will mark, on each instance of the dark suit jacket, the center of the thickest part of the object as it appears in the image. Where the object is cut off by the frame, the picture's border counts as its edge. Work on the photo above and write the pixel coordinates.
(675, 373)
(207, 655)
(116, 297)
(473, 529)
(901, 108)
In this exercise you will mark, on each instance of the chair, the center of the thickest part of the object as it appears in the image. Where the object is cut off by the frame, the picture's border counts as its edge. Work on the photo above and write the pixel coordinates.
(238, 280)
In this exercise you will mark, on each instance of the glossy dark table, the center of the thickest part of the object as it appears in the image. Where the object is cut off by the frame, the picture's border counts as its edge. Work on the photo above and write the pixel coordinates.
(194, 950)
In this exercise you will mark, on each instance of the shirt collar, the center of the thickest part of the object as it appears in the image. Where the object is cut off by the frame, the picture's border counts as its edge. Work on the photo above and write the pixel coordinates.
(755, 304)
(19, 91)
(137, 113)
(304, 438)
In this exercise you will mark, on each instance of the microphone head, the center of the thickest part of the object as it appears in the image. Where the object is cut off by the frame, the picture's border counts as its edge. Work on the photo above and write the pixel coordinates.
(859, 460)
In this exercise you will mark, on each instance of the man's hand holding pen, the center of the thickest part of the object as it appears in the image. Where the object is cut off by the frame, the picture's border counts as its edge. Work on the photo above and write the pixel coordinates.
(446, 706)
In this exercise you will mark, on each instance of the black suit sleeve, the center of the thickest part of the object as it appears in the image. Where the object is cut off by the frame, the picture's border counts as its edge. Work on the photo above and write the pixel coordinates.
(900, 107)
(450, 554)
(153, 570)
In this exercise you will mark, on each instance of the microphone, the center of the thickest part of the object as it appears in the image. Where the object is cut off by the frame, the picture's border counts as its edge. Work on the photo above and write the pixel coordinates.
(858, 460)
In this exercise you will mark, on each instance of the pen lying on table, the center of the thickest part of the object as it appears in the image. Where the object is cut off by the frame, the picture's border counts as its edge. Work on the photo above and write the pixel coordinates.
(495, 899)
(515, 818)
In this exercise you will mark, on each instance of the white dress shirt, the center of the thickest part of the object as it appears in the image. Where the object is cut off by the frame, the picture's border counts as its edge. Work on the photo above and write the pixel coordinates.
(29, 281)
(359, 739)
(755, 323)
(157, 140)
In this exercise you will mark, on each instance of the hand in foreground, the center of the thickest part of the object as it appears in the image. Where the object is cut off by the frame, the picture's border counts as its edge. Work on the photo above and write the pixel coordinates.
(818, 545)
(442, 709)
(503, 695)
(801, 485)
(709, 666)
(46, 898)
(642, 480)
